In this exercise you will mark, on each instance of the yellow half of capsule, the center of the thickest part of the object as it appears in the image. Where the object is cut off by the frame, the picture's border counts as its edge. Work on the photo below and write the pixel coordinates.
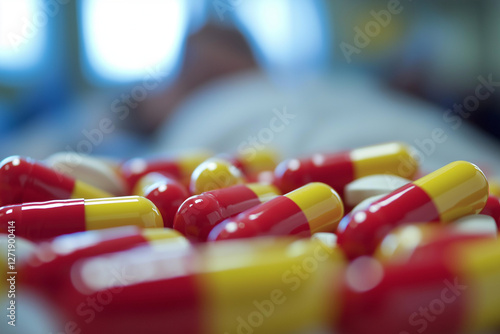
(189, 162)
(457, 189)
(390, 158)
(321, 205)
(121, 211)
(264, 192)
(255, 283)
(495, 187)
(84, 190)
(145, 182)
(477, 265)
(262, 160)
(214, 174)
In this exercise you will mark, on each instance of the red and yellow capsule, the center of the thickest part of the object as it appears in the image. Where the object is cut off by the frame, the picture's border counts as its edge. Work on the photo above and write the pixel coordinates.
(199, 214)
(230, 287)
(214, 173)
(254, 162)
(494, 187)
(26, 180)
(52, 261)
(315, 207)
(453, 291)
(43, 220)
(416, 242)
(453, 191)
(165, 192)
(339, 169)
(179, 167)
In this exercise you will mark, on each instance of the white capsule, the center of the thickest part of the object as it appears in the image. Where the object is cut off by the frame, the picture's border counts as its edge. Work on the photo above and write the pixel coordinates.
(373, 185)
(88, 169)
(476, 224)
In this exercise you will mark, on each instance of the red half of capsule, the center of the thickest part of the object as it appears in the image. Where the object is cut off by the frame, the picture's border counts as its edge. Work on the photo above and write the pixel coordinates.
(135, 169)
(198, 215)
(402, 298)
(39, 220)
(25, 180)
(167, 194)
(361, 234)
(279, 216)
(336, 170)
(52, 258)
(492, 209)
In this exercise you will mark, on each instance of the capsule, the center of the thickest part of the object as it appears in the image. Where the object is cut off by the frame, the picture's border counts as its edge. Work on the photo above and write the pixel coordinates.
(165, 192)
(214, 173)
(415, 242)
(53, 259)
(43, 220)
(492, 208)
(257, 161)
(453, 191)
(456, 292)
(179, 167)
(495, 187)
(315, 207)
(25, 180)
(260, 286)
(339, 169)
(199, 214)
(89, 169)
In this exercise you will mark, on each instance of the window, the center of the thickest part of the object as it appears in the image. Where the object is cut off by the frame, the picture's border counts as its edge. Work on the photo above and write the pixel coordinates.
(123, 39)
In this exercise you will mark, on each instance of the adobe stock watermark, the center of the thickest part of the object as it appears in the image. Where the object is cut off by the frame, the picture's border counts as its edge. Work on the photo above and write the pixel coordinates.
(254, 143)
(429, 313)
(31, 26)
(292, 279)
(223, 6)
(120, 110)
(363, 37)
(454, 117)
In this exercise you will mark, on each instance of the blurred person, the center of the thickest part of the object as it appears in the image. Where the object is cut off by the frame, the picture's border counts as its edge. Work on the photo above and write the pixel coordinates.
(223, 101)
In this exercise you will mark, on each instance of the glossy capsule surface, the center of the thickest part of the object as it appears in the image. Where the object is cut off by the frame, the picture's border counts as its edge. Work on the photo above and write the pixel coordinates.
(165, 192)
(179, 167)
(198, 215)
(260, 285)
(26, 180)
(453, 191)
(43, 220)
(339, 169)
(89, 169)
(256, 161)
(315, 207)
(455, 292)
(53, 258)
(214, 173)
(416, 242)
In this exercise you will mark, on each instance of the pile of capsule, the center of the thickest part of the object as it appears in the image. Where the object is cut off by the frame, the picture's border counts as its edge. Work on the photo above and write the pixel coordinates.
(345, 242)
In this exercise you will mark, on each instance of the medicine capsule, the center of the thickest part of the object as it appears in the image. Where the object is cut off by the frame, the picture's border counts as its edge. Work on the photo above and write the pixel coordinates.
(89, 169)
(165, 192)
(454, 292)
(315, 207)
(230, 287)
(262, 160)
(416, 241)
(494, 187)
(198, 215)
(25, 180)
(214, 173)
(453, 191)
(43, 220)
(339, 169)
(179, 167)
(52, 261)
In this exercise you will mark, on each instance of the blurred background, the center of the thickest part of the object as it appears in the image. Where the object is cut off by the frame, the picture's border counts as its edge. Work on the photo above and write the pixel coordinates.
(107, 76)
